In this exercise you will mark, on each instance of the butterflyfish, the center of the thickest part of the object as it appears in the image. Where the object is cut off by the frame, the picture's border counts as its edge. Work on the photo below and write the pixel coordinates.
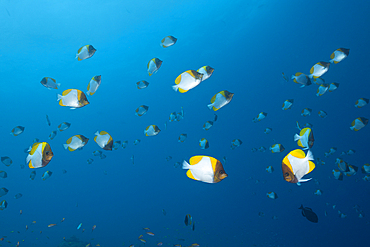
(302, 79)
(182, 137)
(338, 55)
(270, 169)
(93, 85)
(333, 86)
(319, 69)
(220, 99)
(3, 191)
(322, 89)
(141, 110)
(204, 168)
(85, 52)
(236, 143)
(63, 126)
(6, 161)
(352, 170)
(3, 205)
(3, 174)
(365, 168)
(32, 175)
(361, 102)
(337, 174)
(46, 175)
(142, 84)
(267, 130)
(188, 220)
(322, 114)
(17, 130)
(288, 104)
(296, 164)
(207, 71)
(49, 83)
(259, 117)
(277, 148)
(306, 112)
(152, 130)
(187, 80)
(203, 143)
(39, 155)
(207, 125)
(172, 116)
(104, 140)
(359, 123)
(73, 98)
(305, 138)
(153, 66)
(75, 142)
(116, 145)
(272, 195)
(318, 192)
(53, 134)
(168, 41)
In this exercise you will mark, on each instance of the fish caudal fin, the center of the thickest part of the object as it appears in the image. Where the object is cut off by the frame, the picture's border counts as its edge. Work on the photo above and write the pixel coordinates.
(309, 155)
(301, 207)
(59, 97)
(185, 165)
(210, 106)
(65, 146)
(175, 87)
(297, 137)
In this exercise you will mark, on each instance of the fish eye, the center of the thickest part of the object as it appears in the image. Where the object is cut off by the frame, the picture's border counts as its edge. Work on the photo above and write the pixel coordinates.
(286, 174)
(222, 172)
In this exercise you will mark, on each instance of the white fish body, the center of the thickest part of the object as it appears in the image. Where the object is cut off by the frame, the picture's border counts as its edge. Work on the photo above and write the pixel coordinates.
(202, 171)
(76, 143)
(71, 99)
(300, 166)
(102, 140)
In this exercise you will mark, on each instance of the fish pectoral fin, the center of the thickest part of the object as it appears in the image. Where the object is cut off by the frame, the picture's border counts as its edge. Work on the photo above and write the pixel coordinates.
(304, 180)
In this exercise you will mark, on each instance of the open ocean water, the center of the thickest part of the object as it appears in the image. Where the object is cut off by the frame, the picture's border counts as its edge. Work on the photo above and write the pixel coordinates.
(249, 44)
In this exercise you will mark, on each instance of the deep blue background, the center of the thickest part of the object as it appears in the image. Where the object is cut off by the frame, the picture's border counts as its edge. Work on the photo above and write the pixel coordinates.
(249, 44)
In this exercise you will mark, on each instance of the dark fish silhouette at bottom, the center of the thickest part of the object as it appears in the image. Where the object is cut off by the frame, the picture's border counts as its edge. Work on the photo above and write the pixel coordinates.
(309, 214)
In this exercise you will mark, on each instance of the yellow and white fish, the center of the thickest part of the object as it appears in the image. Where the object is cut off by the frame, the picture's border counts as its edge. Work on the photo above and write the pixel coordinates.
(305, 138)
(142, 84)
(204, 168)
(49, 83)
(182, 137)
(207, 125)
(207, 71)
(333, 86)
(323, 114)
(270, 169)
(365, 168)
(39, 155)
(288, 104)
(277, 148)
(203, 143)
(322, 89)
(152, 130)
(104, 140)
(85, 52)
(319, 81)
(296, 164)
(63, 126)
(342, 165)
(141, 110)
(338, 55)
(73, 98)
(46, 175)
(302, 79)
(306, 112)
(352, 170)
(337, 174)
(153, 66)
(187, 80)
(259, 117)
(361, 102)
(359, 123)
(17, 130)
(319, 69)
(272, 195)
(93, 85)
(220, 99)
(168, 41)
(75, 142)
(236, 143)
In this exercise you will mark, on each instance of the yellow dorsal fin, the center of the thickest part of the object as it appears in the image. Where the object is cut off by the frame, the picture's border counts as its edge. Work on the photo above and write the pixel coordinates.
(312, 166)
(178, 79)
(298, 153)
(300, 143)
(287, 163)
(195, 159)
(95, 138)
(103, 132)
(213, 99)
(69, 140)
(298, 73)
(79, 50)
(66, 92)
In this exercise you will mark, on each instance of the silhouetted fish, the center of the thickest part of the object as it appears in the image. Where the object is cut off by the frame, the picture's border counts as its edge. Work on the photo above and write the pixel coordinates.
(309, 214)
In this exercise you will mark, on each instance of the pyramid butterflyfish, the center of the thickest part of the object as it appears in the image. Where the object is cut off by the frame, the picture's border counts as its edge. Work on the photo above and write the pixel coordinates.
(302, 79)
(204, 168)
(153, 66)
(207, 71)
(296, 164)
(104, 140)
(359, 123)
(220, 99)
(187, 80)
(39, 155)
(319, 69)
(73, 98)
(75, 142)
(93, 85)
(305, 138)
(168, 41)
(85, 52)
(338, 55)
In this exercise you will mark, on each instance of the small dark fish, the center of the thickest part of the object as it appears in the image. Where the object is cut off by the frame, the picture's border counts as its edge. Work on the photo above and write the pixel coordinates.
(193, 225)
(164, 212)
(215, 119)
(188, 219)
(48, 120)
(309, 214)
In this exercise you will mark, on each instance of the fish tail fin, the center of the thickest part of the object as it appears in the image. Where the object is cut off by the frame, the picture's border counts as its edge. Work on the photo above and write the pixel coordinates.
(59, 97)
(293, 76)
(65, 146)
(303, 86)
(297, 137)
(210, 106)
(301, 207)
(309, 155)
(175, 87)
(331, 61)
(97, 133)
(185, 165)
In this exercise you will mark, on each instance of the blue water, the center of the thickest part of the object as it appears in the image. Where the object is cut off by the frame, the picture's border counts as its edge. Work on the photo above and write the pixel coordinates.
(249, 44)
